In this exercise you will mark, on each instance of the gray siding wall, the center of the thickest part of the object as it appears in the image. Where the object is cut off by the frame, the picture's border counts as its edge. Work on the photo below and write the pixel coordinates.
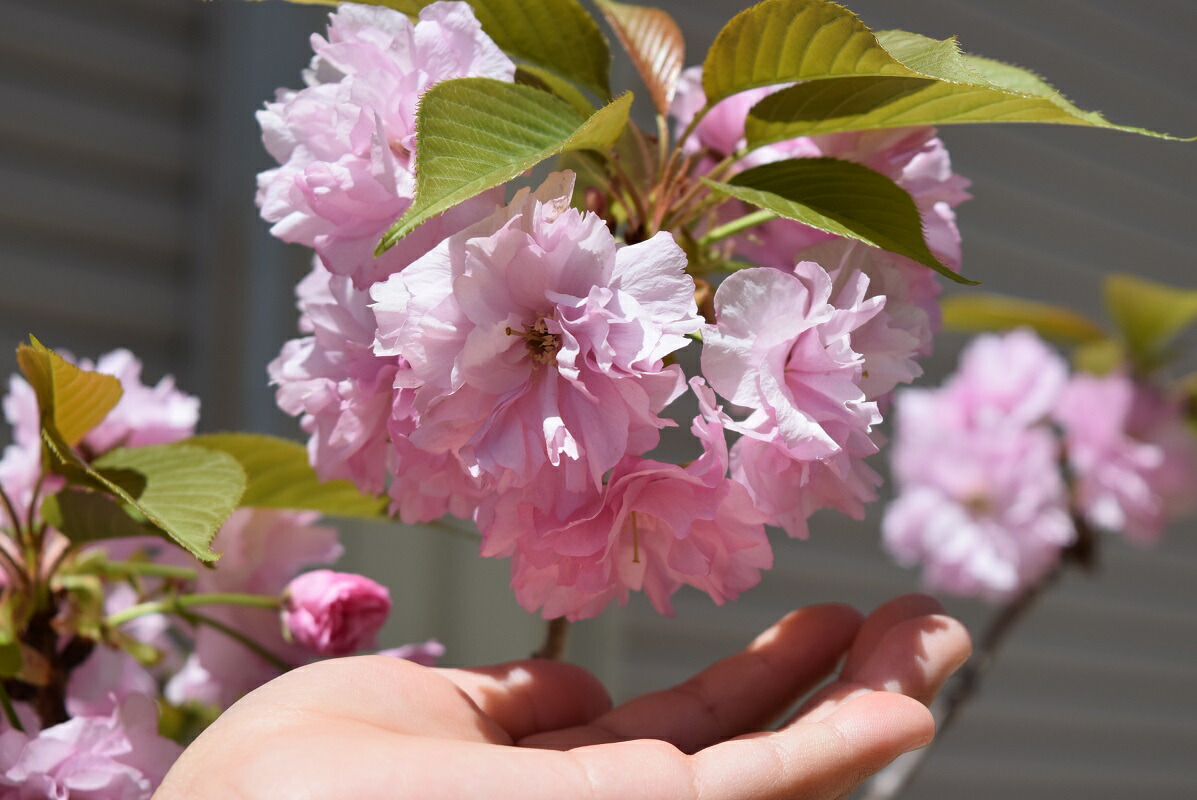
(127, 150)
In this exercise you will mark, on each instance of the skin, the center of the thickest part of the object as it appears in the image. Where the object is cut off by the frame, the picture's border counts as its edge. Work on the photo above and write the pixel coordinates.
(377, 727)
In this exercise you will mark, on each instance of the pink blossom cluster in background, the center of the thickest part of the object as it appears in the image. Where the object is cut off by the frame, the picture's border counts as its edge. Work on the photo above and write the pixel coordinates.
(519, 371)
(994, 468)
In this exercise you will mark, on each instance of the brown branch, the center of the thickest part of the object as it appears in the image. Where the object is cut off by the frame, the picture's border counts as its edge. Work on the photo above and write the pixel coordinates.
(554, 640)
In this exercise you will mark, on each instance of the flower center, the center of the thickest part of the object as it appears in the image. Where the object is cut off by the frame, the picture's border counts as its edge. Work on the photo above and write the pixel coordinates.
(978, 504)
(542, 344)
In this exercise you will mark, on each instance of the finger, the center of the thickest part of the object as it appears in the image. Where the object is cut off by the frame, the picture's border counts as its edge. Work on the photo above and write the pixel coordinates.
(527, 697)
(914, 657)
(878, 624)
(815, 761)
(741, 693)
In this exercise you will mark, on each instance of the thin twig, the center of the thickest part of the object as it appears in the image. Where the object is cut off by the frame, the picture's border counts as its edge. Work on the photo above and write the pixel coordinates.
(894, 779)
(196, 618)
(554, 639)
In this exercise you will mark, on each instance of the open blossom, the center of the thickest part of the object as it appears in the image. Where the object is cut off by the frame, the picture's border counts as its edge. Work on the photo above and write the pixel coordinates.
(22, 461)
(260, 552)
(1126, 479)
(112, 757)
(801, 377)
(145, 415)
(536, 343)
(982, 503)
(346, 142)
(347, 402)
(892, 341)
(653, 527)
(334, 382)
(915, 158)
(334, 613)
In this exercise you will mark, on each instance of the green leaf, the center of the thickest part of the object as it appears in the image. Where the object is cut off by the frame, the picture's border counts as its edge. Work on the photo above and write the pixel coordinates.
(558, 35)
(1148, 315)
(975, 312)
(476, 133)
(948, 88)
(840, 197)
(1100, 357)
(281, 477)
(189, 491)
(781, 41)
(87, 516)
(72, 400)
(546, 81)
(655, 43)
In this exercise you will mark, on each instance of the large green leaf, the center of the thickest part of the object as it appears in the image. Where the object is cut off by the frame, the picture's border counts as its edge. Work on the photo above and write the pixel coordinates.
(476, 133)
(975, 312)
(281, 477)
(839, 197)
(189, 491)
(1149, 315)
(83, 515)
(71, 400)
(781, 41)
(950, 89)
(558, 35)
(550, 82)
(655, 43)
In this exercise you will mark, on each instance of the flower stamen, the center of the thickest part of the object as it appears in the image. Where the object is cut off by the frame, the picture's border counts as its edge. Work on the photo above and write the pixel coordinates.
(542, 344)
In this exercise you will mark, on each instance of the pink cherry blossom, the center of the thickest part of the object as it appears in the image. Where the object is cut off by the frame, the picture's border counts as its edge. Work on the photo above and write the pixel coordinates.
(983, 508)
(334, 613)
(426, 654)
(346, 143)
(22, 461)
(901, 333)
(357, 421)
(1124, 483)
(145, 415)
(801, 379)
(533, 340)
(333, 380)
(113, 757)
(260, 552)
(653, 527)
(799, 374)
(1012, 379)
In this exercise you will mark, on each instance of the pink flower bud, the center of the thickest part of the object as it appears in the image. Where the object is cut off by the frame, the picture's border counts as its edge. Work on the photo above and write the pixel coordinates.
(334, 613)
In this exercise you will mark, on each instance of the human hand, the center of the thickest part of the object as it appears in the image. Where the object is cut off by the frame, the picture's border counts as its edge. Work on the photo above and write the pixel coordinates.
(378, 727)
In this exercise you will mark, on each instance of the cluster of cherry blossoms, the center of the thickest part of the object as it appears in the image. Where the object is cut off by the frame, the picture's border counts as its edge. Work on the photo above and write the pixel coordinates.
(513, 363)
(1013, 458)
(131, 620)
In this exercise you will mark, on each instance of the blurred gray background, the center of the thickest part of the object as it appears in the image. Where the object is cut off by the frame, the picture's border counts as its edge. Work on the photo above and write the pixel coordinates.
(127, 154)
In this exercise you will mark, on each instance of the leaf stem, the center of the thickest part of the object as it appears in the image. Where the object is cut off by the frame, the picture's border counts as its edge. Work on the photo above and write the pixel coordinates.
(9, 711)
(180, 605)
(736, 226)
(122, 569)
(12, 511)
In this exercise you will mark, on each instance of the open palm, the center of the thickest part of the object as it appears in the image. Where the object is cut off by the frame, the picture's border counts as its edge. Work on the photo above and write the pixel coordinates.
(376, 727)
